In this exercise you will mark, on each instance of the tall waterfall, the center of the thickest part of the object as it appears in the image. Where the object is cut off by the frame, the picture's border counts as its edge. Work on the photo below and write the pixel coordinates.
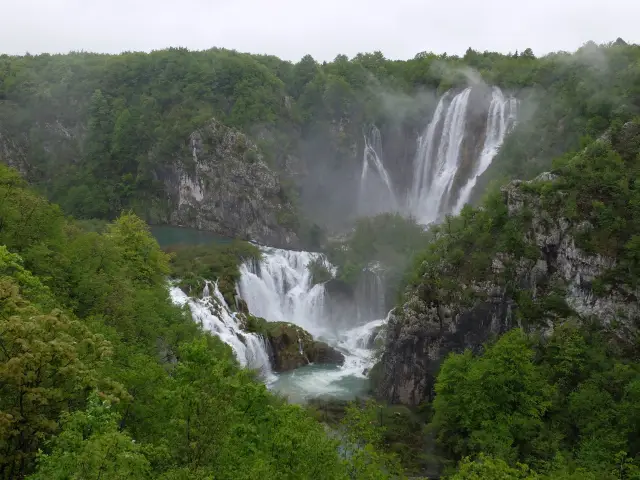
(443, 177)
(438, 167)
(374, 176)
(213, 314)
(500, 120)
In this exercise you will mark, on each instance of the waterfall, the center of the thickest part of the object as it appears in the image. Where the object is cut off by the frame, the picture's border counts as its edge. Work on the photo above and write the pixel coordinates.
(369, 199)
(213, 314)
(439, 178)
(279, 289)
(500, 120)
(439, 170)
(370, 293)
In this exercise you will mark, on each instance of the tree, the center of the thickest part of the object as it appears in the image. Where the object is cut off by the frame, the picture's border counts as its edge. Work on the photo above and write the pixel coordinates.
(363, 446)
(494, 403)
(90, 446)
(488, 468)
(47, 362)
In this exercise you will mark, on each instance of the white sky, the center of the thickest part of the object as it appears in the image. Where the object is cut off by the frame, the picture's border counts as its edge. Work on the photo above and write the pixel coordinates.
(323, 28)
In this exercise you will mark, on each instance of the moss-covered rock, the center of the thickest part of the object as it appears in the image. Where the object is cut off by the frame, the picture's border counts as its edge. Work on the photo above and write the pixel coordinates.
(292, 346)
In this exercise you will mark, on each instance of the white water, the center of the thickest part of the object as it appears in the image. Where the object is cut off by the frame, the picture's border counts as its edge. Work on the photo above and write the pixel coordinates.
(343, 382)
(369, 199)
(212, 313)
(279, 289)
(500, 120)
(438, 157)
(423, 163)
(439, 170)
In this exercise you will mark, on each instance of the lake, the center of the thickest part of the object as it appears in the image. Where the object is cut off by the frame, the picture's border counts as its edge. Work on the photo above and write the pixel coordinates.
(168, 235)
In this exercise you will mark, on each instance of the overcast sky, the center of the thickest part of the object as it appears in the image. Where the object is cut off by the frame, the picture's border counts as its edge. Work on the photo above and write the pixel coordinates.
(323, 28)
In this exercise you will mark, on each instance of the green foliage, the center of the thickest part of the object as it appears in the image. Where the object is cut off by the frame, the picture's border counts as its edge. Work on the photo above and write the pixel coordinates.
(562, 405)
(362, 442)
(47, 360)
(102, 377)
(91, 446)
(319, 271)
(195, 265)
(387, 239)
(486, 467)
(510, 396)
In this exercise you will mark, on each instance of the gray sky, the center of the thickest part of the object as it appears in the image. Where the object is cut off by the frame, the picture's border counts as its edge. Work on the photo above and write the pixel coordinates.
(323, 28)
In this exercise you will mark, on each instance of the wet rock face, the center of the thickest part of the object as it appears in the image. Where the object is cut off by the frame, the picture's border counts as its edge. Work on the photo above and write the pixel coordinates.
(421, 333)
(226, 187)
(419, 337)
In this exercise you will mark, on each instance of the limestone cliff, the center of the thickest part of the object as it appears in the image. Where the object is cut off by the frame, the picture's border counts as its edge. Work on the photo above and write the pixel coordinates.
(226, 187)
(219, 183)
(554, 276)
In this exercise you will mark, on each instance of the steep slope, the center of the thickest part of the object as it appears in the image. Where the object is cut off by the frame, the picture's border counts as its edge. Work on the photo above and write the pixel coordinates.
(97, 133)
(563, 245)
(227, 188)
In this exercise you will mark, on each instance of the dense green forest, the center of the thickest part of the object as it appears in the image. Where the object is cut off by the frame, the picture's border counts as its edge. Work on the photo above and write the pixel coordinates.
(99, 133)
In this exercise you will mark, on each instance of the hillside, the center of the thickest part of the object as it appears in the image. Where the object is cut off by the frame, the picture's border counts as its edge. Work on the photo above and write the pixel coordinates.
(529, 306)
(102, 133)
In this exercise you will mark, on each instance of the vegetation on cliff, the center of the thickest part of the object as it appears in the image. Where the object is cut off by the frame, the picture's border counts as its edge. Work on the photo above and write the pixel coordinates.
(556, 397)
(195, 265)
(387, 240)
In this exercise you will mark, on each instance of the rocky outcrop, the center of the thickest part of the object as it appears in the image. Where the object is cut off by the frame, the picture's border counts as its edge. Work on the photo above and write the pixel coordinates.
(434, 322)
(226, 187)
(293, 347)
(221, 185)
(12, 154)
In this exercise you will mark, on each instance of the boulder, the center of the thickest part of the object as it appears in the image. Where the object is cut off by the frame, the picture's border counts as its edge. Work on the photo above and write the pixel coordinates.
(292, 346)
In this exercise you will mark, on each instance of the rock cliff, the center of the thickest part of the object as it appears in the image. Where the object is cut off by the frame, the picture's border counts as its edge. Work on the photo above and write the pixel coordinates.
(220, 183)
(554, 277)
(226, 187)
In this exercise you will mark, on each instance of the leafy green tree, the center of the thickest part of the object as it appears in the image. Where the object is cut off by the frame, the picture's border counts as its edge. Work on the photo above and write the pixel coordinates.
(91, 446)
(47, 362)
(493, 404)
(488, 468)
(363, 445)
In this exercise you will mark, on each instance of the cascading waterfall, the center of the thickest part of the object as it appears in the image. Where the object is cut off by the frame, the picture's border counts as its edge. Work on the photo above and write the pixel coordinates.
(423, 171)
(213, 314)
(438, 161)
(500, 120)
(369, 200)
(279, 288)
(438, 170)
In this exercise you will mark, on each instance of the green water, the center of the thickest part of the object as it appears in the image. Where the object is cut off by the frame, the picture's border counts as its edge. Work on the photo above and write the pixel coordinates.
(167, 236)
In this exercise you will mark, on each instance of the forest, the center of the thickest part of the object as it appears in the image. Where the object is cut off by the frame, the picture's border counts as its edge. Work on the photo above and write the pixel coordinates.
(102, 377)
(97, 134)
